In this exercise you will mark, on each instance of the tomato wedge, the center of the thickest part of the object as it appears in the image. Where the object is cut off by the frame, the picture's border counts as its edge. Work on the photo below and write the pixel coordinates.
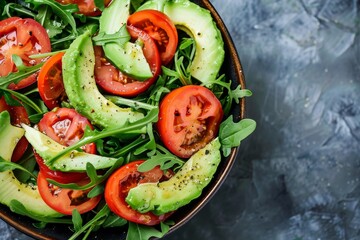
(65, 200)
(160, 28)
(86, 7)
(66, 126)
(110, 79)
(189, 118)
(18, 115)
(118, 186)
(22, 37)
(50, 82)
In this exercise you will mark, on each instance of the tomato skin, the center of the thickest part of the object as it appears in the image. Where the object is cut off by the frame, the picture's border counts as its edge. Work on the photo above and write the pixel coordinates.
(18, 115)
(22, 37)
(50, 83)
(65, 126)
(189, 118)
(160, 28)
(110, 79)
(65, 200)
(86, 7)
(120, 183)
(58, 176)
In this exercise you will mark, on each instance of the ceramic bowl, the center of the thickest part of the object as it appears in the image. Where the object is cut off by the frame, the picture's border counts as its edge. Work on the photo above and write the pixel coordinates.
(233, 70)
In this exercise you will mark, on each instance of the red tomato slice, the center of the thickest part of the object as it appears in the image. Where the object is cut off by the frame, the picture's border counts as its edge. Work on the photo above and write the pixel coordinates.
(65, 200)
(120, 183)
(18, 115)
(160, 28)
(23, 37)
(58, 176)
(189, 118)
(110, 79)
(66, 126)
(86, 7)
(50, 82)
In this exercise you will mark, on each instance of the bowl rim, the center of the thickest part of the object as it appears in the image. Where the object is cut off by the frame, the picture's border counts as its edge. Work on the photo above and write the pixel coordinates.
(12, 220)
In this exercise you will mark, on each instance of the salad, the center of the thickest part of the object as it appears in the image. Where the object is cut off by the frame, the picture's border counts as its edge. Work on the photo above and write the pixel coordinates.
(113, 114)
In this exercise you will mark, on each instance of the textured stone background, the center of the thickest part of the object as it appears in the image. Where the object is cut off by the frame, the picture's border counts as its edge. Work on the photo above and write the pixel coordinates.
(297, 176)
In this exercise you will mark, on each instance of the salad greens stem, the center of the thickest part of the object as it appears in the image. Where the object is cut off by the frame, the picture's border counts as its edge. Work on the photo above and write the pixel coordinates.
(129, 102)
(24, 99)
(6, 165)
(44, 55)
(15, 77)
(124, 150)
(100, 216)
(129, 129)
(18, 8)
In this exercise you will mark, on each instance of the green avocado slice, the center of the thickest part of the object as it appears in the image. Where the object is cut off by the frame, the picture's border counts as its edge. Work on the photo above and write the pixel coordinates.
(186, 185)
(128, 57)
(10, 187)
(47, 148)
(80, 86)
(198, 23)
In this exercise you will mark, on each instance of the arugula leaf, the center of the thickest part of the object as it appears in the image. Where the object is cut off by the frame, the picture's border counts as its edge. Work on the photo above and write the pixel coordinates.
(142, 232)
(165, 160)
(15, 77)
(10, 8)
(130, 103)
(150, 145)
(52, 27)
(121, 150)
(113, 220)
(97, 220)
(9, 99)
(76, 220)
(96, 191)
(25, 176)
(239, 93)
(63, 11)
(23, 98)
(231, 94)
(121, 37)
(231, 134)
(99, 4)
(135, 4)
(6, 166)
(17, 207)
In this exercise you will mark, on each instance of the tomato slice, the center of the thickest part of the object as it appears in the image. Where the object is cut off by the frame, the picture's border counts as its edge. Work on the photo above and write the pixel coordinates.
(118, 186)
(65, 200)
(18, 115)
(50, 82)
(22, 37)
(110, 79)
(66, 126)
(58, 176)
(160, 28)
(86, 7)
(189, 118)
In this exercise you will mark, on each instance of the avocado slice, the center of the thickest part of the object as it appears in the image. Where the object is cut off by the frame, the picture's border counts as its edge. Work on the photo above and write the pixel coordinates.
(197, 22)
(80, 86)
(47, 148)
(10, 187)
(129, 57)
(186, 185)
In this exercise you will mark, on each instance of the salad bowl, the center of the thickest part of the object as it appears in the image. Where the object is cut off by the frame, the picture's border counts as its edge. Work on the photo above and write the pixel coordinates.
(233, 70)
